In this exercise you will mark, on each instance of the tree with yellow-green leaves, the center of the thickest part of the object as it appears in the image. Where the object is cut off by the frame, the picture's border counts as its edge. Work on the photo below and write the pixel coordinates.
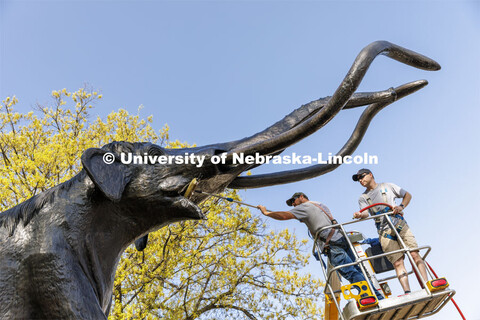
(228, 266)
(39, 151)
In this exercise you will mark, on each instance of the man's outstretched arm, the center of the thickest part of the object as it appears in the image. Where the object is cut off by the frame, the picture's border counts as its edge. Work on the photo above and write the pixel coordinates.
(277, 215)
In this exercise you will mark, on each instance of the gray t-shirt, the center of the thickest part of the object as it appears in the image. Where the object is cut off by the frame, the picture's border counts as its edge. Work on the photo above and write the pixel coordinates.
(383, 193)
(315, 218)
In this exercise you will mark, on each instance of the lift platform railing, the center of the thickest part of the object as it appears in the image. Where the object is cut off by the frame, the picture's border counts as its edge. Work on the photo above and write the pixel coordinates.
(359, 261)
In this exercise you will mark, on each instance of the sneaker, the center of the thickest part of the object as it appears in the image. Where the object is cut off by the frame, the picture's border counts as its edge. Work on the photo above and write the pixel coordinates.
(405, 294)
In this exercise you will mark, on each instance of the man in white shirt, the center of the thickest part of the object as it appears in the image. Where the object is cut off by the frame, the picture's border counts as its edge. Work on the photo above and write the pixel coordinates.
(387, 193)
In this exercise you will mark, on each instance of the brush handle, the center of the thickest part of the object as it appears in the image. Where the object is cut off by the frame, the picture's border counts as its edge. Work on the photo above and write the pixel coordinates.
(228, 199)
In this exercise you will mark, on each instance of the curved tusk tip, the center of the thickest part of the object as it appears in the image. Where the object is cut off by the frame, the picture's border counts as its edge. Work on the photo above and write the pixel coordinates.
(418, 83)
(409, 88)
(435, 66)
(429, 64)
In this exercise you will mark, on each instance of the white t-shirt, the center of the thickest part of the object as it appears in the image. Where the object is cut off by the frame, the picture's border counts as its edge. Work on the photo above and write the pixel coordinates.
(384, 192)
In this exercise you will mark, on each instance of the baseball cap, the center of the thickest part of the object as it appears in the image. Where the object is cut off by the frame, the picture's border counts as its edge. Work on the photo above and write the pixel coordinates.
(295, 196)
(355, 177)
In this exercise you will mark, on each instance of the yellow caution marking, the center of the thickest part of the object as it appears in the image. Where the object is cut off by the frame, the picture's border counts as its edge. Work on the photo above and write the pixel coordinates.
(437, 284)
(355, 290)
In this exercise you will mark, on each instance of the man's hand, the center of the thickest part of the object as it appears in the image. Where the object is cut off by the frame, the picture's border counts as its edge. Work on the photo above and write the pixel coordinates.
(398, 209)
(359, 215)
(405, 201)
(263, 209)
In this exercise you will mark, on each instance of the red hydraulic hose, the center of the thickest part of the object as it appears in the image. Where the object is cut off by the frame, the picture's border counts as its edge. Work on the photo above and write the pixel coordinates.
(376, 204)
(456, 305)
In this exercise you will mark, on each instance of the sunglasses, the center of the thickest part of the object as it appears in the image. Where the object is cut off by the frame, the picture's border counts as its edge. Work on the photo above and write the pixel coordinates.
(362, 176)
(294, 198)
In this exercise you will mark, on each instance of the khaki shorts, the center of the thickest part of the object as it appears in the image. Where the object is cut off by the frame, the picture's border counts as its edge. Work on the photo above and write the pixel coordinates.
(389, 245)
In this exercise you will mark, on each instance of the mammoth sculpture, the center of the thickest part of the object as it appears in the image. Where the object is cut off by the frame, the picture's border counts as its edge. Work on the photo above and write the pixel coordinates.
(59, 249)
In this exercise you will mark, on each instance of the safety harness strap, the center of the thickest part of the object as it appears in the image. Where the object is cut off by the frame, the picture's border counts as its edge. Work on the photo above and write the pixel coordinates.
(332, 221)
(383, 190)
(389, 236)
(329, 215)
(375, 210)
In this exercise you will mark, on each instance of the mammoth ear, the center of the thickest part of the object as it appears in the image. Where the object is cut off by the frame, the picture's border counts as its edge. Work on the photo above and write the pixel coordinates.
(107, 173)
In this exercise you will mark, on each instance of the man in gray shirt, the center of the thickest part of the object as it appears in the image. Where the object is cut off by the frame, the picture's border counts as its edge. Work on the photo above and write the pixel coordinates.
(316, 216)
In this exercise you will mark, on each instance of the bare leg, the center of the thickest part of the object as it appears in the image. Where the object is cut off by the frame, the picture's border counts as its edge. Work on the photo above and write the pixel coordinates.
(402, 274)
(420, 264)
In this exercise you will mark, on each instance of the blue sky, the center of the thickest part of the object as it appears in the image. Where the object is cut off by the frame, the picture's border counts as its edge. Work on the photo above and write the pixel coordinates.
(218, 71)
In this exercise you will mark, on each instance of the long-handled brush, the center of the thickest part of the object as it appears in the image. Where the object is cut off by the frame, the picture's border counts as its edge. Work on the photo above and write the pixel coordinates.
(193, 184)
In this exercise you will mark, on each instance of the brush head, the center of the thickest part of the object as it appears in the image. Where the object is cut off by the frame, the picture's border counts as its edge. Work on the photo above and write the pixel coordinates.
(191, 187)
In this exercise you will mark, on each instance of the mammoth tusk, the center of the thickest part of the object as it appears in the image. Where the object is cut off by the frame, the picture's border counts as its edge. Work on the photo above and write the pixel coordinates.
(303, 113)
(350, 146)
(341, 96)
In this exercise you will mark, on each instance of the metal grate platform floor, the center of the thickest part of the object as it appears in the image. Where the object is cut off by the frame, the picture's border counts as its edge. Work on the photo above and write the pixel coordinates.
(415, 305)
